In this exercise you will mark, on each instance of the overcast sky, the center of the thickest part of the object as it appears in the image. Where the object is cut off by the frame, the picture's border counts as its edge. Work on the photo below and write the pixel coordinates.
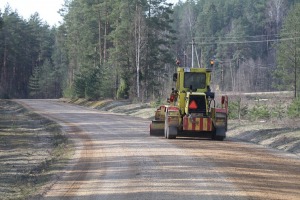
(47, 9)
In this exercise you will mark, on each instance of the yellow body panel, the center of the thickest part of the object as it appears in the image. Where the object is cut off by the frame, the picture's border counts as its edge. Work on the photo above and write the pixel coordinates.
(183, 92)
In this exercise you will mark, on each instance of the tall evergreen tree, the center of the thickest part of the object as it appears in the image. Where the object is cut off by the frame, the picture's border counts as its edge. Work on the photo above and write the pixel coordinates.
(288, 59)
(126, 41)
(34, 84)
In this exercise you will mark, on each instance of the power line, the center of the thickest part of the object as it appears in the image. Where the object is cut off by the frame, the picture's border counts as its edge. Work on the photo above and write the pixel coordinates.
(246, 36)
(247, 42)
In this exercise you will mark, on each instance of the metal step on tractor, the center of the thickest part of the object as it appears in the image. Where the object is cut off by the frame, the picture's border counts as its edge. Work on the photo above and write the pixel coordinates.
(192, 108)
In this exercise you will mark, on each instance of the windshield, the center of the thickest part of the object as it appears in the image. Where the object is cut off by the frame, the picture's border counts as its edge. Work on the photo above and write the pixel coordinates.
(196, 80)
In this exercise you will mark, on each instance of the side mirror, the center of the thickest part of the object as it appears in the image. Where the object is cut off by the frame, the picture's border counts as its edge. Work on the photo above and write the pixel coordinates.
(210, 95)
(175, 77)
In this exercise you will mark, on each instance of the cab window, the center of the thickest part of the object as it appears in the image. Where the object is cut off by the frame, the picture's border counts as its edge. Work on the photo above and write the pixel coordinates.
(196, 80)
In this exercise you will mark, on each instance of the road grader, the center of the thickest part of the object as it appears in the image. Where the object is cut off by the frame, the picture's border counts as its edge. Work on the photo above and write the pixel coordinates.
(191, 109)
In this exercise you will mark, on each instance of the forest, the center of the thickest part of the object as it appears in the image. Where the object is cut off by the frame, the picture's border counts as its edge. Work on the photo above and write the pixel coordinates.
(128, 49)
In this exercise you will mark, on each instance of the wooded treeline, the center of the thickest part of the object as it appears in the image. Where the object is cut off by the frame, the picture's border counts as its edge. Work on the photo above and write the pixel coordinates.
(243, 38)
(127, 49)
(27, 67)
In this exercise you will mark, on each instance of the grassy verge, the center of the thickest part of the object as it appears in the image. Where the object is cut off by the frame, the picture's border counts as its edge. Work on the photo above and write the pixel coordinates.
(142, 110)
(32, 150)
(280, 135)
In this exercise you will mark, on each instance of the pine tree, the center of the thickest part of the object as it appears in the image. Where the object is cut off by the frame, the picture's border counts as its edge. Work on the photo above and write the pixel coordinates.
(288, 53)
(34, 83)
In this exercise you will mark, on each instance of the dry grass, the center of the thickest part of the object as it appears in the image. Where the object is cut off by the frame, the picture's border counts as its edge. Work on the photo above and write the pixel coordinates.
(32, 149)
(282, 135)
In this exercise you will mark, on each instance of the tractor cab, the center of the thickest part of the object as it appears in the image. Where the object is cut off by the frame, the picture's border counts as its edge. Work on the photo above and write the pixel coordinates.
(193, 86)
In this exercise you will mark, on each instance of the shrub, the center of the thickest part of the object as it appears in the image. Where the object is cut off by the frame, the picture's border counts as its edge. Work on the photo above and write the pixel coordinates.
(294, 109)
(237, 110)
(279, 111)
(259, 112)
(123, 90)
(68, 92)
(233, 108)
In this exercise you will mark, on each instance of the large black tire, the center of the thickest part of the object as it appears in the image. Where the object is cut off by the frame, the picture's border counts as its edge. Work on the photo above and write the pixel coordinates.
(166, 124)
(216, 137)
(171, 132)
(166, 127)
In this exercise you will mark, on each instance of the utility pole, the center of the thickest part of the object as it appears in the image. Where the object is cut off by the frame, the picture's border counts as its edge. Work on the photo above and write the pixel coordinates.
(192, 52)
(222, 77)
(184, 58)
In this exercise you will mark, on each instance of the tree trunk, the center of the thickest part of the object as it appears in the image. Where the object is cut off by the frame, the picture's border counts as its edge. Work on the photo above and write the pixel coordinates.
(105, 35)
(138, 49)
(295, 69)
(4, 69)
(99, 40)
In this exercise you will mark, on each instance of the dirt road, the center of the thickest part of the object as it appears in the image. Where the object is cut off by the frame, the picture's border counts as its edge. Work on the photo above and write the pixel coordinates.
(116, 159)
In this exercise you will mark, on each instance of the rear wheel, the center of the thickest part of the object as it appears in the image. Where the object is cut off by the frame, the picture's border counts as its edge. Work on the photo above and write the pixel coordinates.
(171, 132)
(166, 126)
(217, 137)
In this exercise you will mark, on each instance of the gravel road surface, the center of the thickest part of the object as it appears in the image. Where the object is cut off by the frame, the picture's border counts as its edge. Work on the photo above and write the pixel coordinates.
(115, 158)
